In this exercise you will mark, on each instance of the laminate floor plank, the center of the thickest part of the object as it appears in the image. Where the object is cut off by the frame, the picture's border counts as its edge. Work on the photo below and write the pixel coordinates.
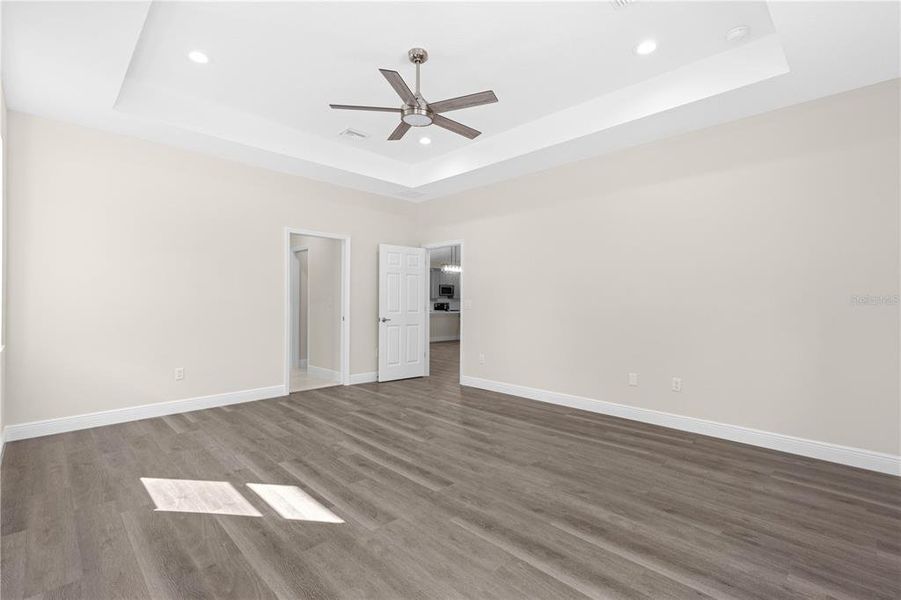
(16, 482)
(53, 557)
(276, 560)
(13, 554)
(110, 568)
(442, 492)
(168, 568)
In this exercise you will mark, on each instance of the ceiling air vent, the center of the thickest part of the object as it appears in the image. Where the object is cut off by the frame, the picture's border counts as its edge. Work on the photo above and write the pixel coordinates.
(621, 3)
(353, 134)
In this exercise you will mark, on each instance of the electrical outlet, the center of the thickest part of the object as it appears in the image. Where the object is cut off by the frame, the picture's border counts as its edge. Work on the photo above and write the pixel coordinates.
(633, 379)
(677, 384)
(481, 359)
(467, 304)
(179, 373)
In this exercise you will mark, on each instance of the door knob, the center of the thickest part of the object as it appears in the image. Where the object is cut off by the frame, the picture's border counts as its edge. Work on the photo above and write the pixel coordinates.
(384, 319)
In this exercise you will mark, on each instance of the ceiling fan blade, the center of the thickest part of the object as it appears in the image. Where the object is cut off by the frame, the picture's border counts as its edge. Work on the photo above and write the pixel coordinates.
(372, 108)
(452, 125)
(486, 97)
(399, 132)
(397, 82)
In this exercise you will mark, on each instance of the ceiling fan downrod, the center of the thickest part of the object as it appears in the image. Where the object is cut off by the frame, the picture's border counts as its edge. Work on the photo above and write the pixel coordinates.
(417, 57)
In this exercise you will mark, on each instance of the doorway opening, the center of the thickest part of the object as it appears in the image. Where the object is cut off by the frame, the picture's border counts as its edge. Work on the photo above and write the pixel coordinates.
(446, 307)
(317, 282)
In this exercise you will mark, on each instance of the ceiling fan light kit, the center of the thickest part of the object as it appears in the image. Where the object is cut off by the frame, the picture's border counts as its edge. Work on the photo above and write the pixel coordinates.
(417, 117)
(416, 111)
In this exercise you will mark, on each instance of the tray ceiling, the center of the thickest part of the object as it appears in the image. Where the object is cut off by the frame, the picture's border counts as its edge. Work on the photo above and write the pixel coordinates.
(569, 82)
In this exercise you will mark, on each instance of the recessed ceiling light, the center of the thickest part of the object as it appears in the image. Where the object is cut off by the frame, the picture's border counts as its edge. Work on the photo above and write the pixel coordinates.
(738, 33)
(646, 47)
(425, 141)
(199, 57)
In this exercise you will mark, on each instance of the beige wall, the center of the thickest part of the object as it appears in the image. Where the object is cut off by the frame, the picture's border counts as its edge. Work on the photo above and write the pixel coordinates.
(324, 278)
(128, 259)
(727, 257)
(3, 230)
(299, 305)
(303, 306)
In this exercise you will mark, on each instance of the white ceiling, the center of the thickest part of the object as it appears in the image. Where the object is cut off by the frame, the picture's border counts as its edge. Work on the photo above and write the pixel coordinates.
(568, 82)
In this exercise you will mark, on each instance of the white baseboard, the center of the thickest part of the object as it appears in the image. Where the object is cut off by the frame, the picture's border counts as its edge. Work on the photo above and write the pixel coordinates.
(134, 413)
(322, 373)
(370, 377)
(855, 457)
(445, 338)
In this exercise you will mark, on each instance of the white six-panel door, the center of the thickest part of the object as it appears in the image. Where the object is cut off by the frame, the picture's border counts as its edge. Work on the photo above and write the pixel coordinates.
(402, 314)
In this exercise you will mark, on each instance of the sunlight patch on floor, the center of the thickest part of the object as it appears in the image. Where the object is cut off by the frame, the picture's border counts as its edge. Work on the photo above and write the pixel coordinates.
(221, 498)
(188, 495)
(293, 503)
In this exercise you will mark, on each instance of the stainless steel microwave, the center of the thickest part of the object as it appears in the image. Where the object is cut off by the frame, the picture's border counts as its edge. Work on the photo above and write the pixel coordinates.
(446, 290)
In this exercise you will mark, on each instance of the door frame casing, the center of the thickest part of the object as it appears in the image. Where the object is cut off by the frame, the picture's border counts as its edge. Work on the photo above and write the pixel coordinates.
(428, 300)
(287, 253)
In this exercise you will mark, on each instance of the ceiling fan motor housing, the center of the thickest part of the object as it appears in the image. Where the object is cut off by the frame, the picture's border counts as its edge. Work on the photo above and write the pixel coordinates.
(417, 117)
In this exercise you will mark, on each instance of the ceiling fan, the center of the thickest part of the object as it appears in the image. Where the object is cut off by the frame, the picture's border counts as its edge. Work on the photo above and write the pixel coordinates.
(416, 111)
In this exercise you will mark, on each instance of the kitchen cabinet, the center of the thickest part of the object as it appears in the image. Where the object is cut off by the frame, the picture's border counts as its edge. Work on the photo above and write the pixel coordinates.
(434, 282)
(438, 278)
(454, 280)
(439, 257)
(444, 327)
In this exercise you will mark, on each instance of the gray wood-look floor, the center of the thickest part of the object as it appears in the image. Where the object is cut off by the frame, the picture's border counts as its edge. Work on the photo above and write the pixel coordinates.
(445, 492)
